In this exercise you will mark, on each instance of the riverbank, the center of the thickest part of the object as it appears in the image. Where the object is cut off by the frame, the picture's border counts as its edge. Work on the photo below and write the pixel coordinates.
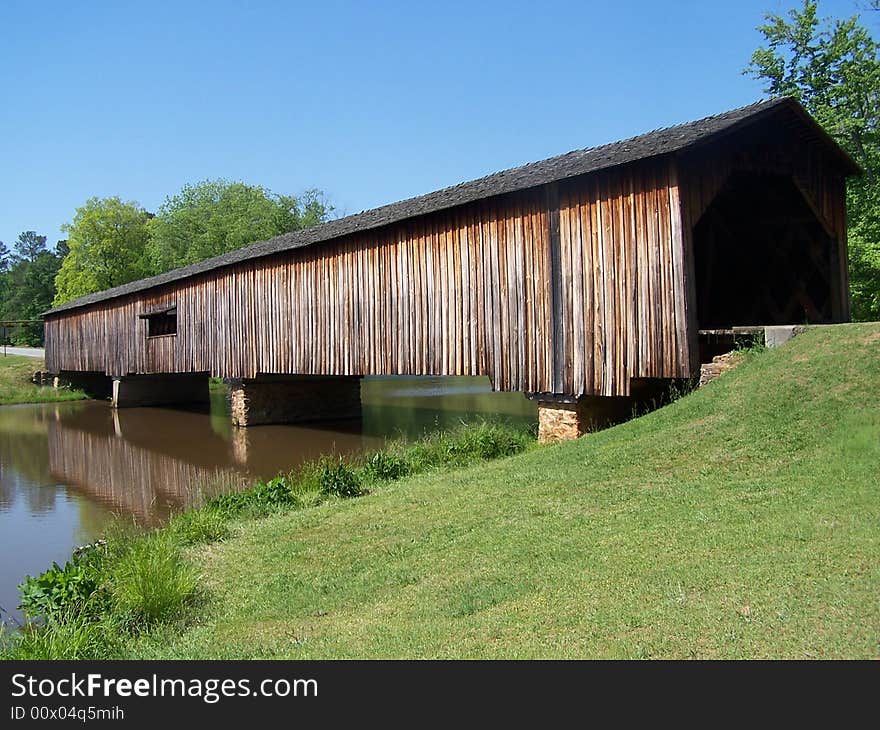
(118, 589)
(16, 385)
(741, 521)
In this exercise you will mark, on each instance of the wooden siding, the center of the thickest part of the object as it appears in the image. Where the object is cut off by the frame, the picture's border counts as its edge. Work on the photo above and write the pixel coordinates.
(463, 292)
(624, 295)
(571, 288)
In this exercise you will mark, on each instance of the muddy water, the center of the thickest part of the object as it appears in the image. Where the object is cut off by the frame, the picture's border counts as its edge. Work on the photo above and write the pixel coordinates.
(67, 470)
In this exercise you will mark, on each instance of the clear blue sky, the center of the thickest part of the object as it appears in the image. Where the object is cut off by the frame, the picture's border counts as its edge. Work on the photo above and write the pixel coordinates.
(371, 102)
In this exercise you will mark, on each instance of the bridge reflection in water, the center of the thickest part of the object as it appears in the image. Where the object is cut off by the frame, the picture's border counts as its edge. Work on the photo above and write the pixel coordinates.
(147, 463)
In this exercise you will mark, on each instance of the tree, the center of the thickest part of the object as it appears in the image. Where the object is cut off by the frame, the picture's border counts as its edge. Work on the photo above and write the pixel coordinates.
(27, 286)
(5, 257)
(29, 245)
(832, 68)
(107, 246)
(37, 293)
(212, 217)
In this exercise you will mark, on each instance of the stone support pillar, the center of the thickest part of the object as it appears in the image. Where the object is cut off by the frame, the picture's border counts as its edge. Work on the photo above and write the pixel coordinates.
(561, 418)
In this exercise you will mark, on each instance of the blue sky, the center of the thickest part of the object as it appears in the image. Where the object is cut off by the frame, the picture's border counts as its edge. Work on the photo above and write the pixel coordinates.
(370, 102)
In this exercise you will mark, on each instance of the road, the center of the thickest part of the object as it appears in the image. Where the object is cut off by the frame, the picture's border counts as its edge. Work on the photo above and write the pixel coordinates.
(26, 351)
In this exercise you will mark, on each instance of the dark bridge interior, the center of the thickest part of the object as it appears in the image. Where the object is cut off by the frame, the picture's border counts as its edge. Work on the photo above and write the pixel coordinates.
(762, 257)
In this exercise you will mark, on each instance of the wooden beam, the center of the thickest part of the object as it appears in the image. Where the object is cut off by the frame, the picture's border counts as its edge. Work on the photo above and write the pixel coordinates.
(808, 199)
(556, 328)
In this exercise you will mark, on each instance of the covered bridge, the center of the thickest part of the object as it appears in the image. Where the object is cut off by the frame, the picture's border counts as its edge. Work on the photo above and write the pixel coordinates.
(576, 280)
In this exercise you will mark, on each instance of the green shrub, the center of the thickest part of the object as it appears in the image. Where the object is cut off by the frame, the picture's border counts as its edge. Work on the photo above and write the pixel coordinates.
(306, 493)
(151, 581)
(198, 526)
(274, 493)
(261, 498)
(333, 477)
(231, 503)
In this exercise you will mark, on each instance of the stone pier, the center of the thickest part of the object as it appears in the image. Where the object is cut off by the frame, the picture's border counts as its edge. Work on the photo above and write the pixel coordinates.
(295, 399)
(160, 390)
(562, 417)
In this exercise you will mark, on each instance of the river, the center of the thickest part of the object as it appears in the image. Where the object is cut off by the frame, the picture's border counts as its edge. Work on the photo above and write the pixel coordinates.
(67, 470)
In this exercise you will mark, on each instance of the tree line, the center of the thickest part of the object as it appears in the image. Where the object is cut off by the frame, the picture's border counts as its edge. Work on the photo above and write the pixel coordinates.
(111, 242)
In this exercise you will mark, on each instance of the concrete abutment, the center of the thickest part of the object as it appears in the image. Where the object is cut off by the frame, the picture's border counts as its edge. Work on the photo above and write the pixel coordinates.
(93, 384)
(131, 391)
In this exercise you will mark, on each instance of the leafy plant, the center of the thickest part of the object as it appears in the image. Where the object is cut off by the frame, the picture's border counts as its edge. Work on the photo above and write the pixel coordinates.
(72, 586)
(274, 493)
(336, 478)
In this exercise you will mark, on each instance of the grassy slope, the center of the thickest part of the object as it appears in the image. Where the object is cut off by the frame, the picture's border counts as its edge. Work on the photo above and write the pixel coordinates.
(741, 521)
(16, 386)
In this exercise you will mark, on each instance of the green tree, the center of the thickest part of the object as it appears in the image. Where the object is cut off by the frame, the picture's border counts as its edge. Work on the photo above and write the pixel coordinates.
(29, 245)
(37, 294)
(212, 217)
(107, 246)
(832, 68)
(27, 286)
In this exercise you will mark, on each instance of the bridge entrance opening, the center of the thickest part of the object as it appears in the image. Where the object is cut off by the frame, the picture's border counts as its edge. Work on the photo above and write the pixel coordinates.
(763, 257)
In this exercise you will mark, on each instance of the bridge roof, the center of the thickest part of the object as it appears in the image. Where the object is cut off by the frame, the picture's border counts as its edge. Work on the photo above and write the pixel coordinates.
(571, 164)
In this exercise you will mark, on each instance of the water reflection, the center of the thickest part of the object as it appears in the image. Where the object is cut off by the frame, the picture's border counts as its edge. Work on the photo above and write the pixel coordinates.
(150, 462)
(67, 469)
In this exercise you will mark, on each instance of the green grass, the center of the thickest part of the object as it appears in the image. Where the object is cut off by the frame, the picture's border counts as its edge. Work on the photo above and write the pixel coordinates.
(73, 636)
(151, 582)
(199, 526)
(16, 385)
(742, 520)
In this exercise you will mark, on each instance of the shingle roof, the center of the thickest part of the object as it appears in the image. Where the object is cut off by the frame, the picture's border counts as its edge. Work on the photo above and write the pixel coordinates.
(571, 164)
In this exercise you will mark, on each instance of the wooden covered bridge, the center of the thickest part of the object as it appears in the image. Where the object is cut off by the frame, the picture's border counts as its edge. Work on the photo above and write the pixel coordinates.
(580, 280)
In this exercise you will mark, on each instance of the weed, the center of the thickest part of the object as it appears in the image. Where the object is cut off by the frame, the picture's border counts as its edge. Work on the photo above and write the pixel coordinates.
(335, 478)
(69, 634)
(70, 587)
(385, 466)
(151, 581)
(196, 526)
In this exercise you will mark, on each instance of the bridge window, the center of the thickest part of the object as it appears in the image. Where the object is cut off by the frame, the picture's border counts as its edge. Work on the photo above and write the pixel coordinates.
(161, 322)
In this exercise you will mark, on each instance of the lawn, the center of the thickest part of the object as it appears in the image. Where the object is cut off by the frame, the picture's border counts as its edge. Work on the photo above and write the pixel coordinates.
(16, 385)
(741, 521)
